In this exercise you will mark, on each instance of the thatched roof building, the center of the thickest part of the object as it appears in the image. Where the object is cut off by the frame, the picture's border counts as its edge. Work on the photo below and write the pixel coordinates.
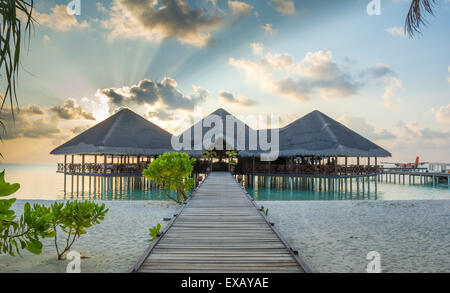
(239, 139)
(316, 134)
(124, 133)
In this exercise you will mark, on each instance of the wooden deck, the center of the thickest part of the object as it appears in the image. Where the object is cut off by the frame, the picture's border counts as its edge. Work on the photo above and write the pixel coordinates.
(220, 230)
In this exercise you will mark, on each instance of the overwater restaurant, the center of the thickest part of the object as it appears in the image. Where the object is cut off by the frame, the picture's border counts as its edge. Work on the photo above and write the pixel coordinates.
(314, 145)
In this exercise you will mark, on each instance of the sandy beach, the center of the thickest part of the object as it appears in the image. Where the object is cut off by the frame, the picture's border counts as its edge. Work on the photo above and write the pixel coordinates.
(113, 246)
(335, 236)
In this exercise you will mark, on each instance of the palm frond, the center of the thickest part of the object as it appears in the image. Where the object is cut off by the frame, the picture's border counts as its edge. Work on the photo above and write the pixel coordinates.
(16, 20)
(416, 15)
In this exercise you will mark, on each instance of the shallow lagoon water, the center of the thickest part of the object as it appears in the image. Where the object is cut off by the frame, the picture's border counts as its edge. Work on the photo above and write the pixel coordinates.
(41, 182)
(385, 191)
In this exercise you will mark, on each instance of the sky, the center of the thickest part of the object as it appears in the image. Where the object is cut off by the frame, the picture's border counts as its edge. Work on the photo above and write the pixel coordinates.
(169, 59)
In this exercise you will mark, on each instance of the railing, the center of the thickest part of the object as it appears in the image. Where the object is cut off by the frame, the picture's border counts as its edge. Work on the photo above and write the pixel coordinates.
(401, 169)
(306, 169)
(100, 168)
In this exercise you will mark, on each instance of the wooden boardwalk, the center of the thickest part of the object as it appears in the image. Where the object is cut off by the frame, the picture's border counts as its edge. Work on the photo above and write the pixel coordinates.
(220, 230)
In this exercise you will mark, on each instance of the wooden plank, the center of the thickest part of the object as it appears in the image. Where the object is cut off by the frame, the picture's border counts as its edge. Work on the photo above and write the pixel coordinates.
(220, 229)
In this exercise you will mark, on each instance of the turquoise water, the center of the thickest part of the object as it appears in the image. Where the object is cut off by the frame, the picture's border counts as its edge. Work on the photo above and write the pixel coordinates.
(40, 181)
(379, 191)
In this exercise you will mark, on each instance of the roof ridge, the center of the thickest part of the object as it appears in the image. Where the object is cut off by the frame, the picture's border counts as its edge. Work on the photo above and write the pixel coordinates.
(326, 125)
(111, 129)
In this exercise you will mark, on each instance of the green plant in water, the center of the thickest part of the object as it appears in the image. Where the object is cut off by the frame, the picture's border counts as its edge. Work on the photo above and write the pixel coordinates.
(172, 172)
(72, 218)
(23, 233)
(154, 232)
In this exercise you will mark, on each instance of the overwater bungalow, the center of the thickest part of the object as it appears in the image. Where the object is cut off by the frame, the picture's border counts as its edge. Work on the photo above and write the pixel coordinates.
(314, 145)
(122, 144)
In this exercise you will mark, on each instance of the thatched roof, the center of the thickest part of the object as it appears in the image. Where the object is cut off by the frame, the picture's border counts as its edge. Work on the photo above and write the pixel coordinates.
(317, 134)
(242, 134)
(127, 133)
(124, 133)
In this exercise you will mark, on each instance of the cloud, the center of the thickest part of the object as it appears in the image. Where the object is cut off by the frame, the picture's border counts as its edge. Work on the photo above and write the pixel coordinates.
(155, 20)
(315, 74)
(79, 129)
(148, 92)
(161, 115)
(391, 85)
(442, 114)
(268, 28)
(241, 100)
(28, 123)
(413, 140)
(413, 131)
(360, 125)
(396, 31)
(69, 110)
(378, 71)
(284, 7)
(239, 10)
(59, 20)
(30, 110)
(448, 78)
(257, 48)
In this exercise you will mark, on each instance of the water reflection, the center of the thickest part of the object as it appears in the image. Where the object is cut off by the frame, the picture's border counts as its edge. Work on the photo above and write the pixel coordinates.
(110, 188)
(309, 188)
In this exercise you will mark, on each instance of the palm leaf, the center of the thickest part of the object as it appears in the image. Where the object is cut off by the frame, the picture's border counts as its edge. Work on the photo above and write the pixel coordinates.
(416, 15)
(16, 18)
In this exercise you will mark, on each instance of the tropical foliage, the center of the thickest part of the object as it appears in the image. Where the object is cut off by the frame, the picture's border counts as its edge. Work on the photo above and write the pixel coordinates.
(17, 21)
(172, 172)
(154, 232)
(416, 15)
(231, 156)
(209, 156)
(71, 218)
(264, 210)
(23, 233)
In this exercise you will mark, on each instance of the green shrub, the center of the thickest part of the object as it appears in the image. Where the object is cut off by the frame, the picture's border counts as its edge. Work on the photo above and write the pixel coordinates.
(172, 172)
(154, 232)
(23, 233)
(264, 210)
(72, 218)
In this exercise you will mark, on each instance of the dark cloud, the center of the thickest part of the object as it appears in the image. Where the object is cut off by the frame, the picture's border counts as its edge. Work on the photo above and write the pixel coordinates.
(31, 110)
(149, 92)
(71, 111)
(28, 124)
(378, 71)
(228, 97)
(160, 115)
(158, 19)
(80, 129)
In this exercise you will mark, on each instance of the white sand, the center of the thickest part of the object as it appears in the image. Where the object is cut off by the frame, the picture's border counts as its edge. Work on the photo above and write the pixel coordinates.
(113, 246)
(335, 236)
